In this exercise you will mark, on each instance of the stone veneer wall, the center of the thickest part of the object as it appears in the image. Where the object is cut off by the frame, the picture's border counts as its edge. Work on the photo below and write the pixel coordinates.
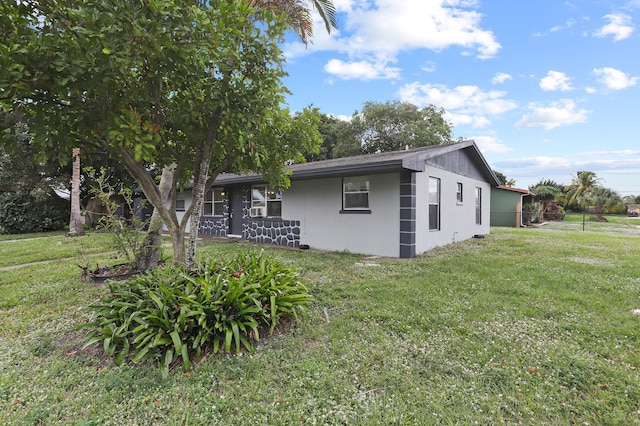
(274, 231)
(258, 230)
(216, 226)
(268, 230)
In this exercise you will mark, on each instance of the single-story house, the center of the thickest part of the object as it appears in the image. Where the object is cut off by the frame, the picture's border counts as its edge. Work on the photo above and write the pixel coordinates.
(396, 204)
(506, 206)
(633, 209)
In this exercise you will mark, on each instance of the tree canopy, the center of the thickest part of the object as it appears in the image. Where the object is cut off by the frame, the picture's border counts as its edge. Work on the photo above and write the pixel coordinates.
(395, 125)
(381, 127)
(152, 83)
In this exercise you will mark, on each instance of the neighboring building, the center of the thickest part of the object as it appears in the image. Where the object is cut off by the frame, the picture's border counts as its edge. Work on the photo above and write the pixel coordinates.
(633, 209)
(506, 206)
(396, 204)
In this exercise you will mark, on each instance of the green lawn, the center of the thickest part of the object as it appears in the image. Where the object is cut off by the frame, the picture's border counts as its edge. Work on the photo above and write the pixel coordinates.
(530, 326)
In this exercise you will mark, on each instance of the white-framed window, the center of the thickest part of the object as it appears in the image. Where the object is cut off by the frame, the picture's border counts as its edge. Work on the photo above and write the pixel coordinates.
(478, 206)
(180, 206)
(355, 193)
(459, 193)
(434, 204)
(213, 203)
(265, 201)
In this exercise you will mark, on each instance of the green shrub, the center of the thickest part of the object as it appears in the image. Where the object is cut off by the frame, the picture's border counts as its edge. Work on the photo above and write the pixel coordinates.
(23, 213)
(171, 312)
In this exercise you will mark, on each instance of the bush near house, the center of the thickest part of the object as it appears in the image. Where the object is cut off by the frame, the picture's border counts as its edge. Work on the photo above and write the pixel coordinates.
(172, 313)
(22, 213)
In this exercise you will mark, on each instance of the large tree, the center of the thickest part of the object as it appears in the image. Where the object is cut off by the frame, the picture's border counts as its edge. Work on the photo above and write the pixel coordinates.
(192, 84)
(297, 15)
(395, 125)
(582, 182)
(333, 132)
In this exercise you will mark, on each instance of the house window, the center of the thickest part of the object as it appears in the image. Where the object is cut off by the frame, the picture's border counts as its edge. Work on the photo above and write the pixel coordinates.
(213, 204)
(434, 204)
(459, 193)
(478, 206)
(265, 201)
(355, 193)
(179, 205)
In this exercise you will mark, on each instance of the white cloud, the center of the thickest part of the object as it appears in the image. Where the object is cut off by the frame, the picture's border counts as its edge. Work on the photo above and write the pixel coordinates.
(475, 121)
(562, 113)
(556, 80)
(490, 145)
(614, 79)
(388, 27)
(459, 100)
(429, 67)
(620, 26)
(393, 26)
(610, 166)
(501, 77)
(591, 90)
(464, 105)
(543, 164)
(363, 70)
(600, 154)
(568, 24)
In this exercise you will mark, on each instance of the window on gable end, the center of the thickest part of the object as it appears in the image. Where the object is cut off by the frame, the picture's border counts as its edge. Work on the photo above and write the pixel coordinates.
(434, 204)
(459, 193)
(478, 206)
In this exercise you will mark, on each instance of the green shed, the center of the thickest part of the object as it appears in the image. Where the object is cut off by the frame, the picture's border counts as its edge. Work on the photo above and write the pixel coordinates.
(506, 205)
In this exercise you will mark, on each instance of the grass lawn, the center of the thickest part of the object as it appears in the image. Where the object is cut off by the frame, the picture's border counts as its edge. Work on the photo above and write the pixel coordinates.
(530, 326)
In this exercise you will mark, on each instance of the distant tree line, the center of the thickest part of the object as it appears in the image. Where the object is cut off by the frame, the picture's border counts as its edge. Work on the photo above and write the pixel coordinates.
(585, 193)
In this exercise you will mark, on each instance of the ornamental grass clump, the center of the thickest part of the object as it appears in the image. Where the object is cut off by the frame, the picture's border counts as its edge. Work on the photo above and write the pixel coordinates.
(170, 313)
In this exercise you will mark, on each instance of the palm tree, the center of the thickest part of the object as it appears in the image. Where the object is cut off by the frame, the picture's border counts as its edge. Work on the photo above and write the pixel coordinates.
(582, 182)
(579, 188)
(298, 14)
(75, 221)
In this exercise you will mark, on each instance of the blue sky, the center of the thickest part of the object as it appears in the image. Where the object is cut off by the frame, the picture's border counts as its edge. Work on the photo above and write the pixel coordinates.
(546, 88)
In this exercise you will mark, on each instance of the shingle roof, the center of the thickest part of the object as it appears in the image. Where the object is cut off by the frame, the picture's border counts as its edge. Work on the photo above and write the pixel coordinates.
(411, 159)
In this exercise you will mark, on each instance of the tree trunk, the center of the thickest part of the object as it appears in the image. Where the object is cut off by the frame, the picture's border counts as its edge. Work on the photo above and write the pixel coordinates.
(76, 228)
(149, 257)
(199, 188)
(177, 238)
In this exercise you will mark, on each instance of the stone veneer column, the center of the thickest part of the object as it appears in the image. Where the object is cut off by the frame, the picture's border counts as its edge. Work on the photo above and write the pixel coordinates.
(407, 214)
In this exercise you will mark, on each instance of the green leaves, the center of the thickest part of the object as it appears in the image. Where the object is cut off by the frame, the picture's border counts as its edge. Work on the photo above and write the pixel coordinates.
(174, 313)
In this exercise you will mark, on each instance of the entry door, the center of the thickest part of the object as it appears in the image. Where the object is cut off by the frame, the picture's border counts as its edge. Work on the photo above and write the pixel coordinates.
(235, 213)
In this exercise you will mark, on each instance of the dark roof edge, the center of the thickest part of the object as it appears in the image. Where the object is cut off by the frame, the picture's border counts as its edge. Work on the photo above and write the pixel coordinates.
(414, 161)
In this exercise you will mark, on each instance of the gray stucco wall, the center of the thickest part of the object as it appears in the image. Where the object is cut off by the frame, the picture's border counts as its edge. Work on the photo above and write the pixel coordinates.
(317, 205)
(457, 220)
